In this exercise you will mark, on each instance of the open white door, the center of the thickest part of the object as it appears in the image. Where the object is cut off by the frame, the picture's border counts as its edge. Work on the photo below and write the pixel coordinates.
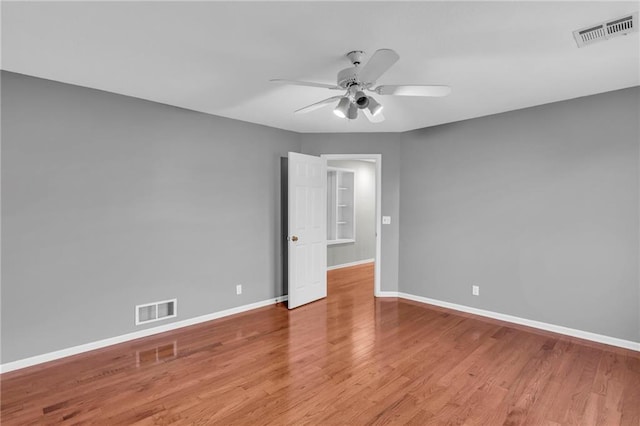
(307, 238)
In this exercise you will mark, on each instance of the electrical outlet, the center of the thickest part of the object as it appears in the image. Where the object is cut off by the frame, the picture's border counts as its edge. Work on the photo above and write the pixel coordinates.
(386, 220)
(239, 289)
(475, 290)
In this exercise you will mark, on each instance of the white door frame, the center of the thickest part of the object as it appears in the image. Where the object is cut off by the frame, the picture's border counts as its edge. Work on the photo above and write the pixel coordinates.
(378, 161)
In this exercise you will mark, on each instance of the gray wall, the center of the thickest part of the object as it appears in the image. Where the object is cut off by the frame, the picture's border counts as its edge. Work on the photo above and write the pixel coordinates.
(539, 207)
(365, 199)
(386, 144)
(110, 201)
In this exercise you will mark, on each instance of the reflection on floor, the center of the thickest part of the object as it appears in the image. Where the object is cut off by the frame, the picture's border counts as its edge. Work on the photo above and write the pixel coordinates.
(349, 359)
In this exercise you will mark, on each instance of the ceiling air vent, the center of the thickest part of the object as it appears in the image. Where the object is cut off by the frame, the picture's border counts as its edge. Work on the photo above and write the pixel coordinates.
(606, 30)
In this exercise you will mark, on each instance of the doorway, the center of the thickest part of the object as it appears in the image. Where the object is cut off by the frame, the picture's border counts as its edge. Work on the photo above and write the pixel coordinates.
(346, 163)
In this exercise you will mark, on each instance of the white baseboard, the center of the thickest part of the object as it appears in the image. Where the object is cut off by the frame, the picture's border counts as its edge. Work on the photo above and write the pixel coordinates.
(39, 359)
(346, 265)
(387, 294)
(607, 340)
(51, 356)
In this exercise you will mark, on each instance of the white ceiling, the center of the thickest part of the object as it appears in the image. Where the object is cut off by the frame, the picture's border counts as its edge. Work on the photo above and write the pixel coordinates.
(218, 57)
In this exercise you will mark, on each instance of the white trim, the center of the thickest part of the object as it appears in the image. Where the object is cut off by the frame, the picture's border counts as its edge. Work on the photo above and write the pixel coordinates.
(377, 158)
(346, 265)
(600, 338)
(387, 294)
(39, 359)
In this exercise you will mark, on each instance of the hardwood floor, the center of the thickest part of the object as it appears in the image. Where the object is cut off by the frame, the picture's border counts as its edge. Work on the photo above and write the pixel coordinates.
(349, 359)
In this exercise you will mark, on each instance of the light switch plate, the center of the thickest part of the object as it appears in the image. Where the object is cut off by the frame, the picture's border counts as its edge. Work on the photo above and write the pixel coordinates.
(386, 220)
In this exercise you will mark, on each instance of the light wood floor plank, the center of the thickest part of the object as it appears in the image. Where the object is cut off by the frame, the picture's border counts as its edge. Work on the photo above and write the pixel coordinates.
(348, 359)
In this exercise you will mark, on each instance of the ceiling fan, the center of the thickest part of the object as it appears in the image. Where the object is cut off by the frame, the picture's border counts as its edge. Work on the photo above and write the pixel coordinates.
(356, 79)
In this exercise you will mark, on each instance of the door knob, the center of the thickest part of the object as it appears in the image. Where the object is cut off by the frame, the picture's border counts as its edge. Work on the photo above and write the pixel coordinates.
(294, 238)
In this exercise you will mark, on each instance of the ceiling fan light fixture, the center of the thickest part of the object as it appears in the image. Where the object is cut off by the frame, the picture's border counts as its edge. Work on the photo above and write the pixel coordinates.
(361, 100)
(374, 106)
(342, 108)
(355, 80)
(352, 113)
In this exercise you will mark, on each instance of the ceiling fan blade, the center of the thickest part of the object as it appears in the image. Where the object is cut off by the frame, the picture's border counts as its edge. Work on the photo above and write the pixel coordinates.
(378, 118)
(317, 105)
(379, 63)
(418, 90)
(306, 83)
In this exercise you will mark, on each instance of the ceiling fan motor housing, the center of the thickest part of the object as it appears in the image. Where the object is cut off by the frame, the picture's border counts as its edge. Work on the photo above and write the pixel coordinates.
(347, 77)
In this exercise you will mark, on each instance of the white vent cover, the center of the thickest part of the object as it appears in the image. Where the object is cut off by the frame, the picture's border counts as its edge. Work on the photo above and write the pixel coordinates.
(606, 30)
(156, 311)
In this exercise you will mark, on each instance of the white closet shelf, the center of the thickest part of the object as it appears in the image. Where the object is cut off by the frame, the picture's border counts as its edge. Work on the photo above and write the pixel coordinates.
(341, 241)
(340, 205)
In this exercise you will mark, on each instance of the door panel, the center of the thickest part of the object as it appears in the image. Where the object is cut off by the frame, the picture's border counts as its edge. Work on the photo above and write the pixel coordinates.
(307, 239)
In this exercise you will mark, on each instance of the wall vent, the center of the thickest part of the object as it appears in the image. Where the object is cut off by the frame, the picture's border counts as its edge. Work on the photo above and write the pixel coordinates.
(606, 30)
(156, 311)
